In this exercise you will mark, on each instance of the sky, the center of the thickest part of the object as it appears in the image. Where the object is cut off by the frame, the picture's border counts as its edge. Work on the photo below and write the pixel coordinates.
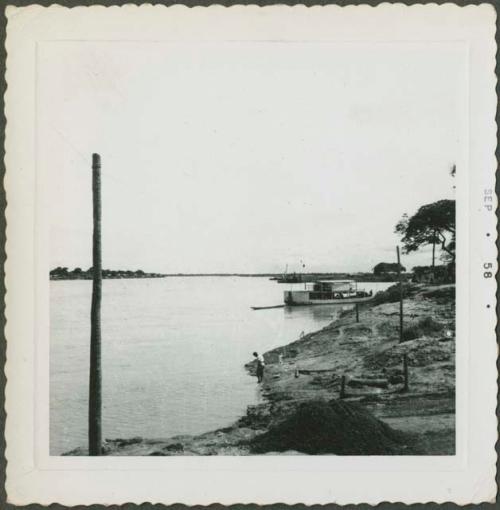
(246, 156)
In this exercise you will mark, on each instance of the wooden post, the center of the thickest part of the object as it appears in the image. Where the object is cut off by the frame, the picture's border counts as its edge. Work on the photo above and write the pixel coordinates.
(342, 387)
(405, 372)
(400, 297)
(95, 395)
(357, 312)
(433, 252)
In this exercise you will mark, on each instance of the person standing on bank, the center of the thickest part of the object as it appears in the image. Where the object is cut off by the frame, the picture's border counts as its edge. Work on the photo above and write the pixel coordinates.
(260, 366)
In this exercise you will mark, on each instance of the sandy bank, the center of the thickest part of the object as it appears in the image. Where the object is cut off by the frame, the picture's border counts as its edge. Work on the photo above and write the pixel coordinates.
(369, 355)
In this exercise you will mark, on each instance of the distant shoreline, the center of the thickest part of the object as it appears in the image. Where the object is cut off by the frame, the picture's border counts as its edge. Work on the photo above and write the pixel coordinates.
(107, 274)
(125, 274)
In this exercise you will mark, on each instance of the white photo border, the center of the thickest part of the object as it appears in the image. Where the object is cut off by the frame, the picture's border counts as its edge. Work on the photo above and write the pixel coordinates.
(33, 476)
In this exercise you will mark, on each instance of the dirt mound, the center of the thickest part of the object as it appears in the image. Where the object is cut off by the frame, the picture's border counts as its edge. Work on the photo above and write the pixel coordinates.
(336, 427)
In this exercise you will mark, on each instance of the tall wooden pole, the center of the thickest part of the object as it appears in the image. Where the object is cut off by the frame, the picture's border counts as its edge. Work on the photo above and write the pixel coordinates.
(400, 298)
(433, 253)
(406, 386)
(342, 387)
(95, 395)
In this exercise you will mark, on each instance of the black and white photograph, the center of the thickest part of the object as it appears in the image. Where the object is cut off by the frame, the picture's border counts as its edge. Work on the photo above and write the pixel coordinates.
(255, 242)
(268, 271)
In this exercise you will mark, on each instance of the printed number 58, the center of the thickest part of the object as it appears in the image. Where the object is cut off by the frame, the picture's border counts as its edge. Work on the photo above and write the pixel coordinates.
(488, 265)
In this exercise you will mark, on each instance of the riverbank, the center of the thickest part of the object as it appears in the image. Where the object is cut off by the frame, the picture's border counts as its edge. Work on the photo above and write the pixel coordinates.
(301, 393)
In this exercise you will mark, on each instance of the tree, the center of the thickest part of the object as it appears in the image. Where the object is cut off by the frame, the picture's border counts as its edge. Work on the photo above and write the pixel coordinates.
(59, 271)
(431, 224)
(387, 267)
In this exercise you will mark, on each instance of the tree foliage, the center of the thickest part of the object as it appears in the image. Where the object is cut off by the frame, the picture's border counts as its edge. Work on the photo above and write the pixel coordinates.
(440, 274)
(59, 271)
(431, 224)
(387, 267)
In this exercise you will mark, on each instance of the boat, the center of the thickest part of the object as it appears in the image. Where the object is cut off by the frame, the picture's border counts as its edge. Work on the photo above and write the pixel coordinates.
(322, 292)
(266, 307)
(290, 278)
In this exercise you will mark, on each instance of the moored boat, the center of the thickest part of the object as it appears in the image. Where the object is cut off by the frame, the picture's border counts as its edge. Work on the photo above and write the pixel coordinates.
(290, 278)
(342, 292)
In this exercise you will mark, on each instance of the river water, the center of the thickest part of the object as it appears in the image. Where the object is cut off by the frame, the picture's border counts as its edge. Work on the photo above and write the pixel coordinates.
(173, 351)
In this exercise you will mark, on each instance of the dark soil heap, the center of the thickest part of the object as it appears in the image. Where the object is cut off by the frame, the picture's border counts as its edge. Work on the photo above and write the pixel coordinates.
(335, 427)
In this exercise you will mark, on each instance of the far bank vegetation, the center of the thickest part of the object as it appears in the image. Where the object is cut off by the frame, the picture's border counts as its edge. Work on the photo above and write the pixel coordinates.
(63, 273)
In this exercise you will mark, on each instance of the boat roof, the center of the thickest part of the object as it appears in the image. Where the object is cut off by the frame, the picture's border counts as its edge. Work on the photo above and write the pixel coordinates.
(336, 281)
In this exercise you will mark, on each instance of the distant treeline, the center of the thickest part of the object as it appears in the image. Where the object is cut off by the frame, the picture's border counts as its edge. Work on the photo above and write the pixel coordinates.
(438, 274)
(63, 273)
(420, 273)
